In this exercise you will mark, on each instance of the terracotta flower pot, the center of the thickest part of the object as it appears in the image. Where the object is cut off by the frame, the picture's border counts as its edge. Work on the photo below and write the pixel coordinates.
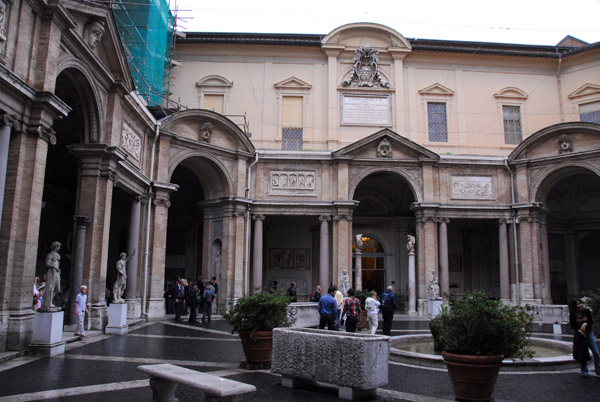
(473, 377)
(362, 322)
(260, 350)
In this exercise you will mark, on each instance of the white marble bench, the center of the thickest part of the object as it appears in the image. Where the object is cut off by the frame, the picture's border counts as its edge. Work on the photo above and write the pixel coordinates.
(165, 377)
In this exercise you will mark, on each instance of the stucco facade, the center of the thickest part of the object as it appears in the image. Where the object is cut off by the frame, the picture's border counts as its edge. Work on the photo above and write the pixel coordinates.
(200, 192)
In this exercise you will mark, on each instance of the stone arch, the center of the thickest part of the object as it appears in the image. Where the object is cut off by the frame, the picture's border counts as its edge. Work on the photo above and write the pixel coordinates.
(218, 181)
(88, 92)
(414, 188)
(546, 180)
(387, 34)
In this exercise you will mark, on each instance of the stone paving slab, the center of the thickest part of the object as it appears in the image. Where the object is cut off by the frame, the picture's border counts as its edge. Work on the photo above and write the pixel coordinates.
(103, 368)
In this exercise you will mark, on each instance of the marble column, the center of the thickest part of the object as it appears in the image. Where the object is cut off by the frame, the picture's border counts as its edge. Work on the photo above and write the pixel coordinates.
(6, 123)
(133, 242)
(503, 258)
(412, 283)
(358, 269)
(81, 223)
(443, 244)
(324, 277)
(545, 265)
(257, 266)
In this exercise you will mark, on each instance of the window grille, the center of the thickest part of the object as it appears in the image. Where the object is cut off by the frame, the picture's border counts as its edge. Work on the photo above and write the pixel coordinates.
(513, 133)
(291, 139)
(438, 127)
(590, 112)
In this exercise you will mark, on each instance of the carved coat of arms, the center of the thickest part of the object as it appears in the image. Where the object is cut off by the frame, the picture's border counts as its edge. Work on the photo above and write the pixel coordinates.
(365, 70)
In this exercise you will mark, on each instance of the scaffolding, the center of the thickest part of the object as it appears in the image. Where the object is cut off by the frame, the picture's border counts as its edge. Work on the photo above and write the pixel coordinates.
(146, 28)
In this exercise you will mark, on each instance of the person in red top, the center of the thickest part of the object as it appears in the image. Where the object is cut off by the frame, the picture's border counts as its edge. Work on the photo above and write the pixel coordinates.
(351, 310)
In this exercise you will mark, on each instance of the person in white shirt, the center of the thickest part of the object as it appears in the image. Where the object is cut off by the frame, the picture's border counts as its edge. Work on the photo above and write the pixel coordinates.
(372, 306)
(81, 310)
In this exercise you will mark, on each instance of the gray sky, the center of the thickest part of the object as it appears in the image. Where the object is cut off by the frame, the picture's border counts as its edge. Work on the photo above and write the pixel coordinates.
(510, 21)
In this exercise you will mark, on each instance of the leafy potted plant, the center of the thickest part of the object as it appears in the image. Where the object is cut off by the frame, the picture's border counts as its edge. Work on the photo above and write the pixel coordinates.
(475, 334)
(253, 317)
(592, 300)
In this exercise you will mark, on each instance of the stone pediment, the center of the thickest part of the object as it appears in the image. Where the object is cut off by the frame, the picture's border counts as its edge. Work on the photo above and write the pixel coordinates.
(197, 128)
(214, 81)
(559, 140)
(436, 89)
(509, 93)
(385, 145)
(356, 35)
(95, 32)
(292, 83)
(585, 90)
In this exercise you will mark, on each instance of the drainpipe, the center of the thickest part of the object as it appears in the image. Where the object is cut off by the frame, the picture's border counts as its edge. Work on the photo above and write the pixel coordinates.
(515, 222)
(148, 218)
(247, 232)
(560, 93)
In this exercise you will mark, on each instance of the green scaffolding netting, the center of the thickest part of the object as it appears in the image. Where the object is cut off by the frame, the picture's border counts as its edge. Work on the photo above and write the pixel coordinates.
(146, 28)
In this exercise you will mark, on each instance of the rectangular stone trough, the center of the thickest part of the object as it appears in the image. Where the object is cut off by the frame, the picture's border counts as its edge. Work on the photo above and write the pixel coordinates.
(356, 363)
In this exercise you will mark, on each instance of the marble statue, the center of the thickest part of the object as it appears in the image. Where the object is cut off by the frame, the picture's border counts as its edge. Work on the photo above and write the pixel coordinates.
(120, 283)
(344, 282)
(52, 287)
(92, 33)
(410, 243)
(433, 287)
(359, 241)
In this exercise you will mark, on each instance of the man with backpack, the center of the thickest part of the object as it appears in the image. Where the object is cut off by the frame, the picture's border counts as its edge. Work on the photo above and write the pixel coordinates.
(388, 305)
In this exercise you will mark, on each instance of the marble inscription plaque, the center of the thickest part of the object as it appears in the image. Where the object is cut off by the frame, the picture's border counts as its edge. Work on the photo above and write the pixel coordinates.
(292, 182)
(366, 110)
(472, 187)
(131, 142)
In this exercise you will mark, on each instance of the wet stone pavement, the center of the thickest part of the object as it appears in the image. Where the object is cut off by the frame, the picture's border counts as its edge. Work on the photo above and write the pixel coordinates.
(103, 368)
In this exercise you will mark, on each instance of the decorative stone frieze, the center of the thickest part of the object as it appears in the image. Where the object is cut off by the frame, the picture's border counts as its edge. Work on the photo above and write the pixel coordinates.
(471, 187)
(292, 182)
(290, 258)
(131, 142)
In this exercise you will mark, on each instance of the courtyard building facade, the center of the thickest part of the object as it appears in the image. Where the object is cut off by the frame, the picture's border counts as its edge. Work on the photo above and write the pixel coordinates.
(293, 158)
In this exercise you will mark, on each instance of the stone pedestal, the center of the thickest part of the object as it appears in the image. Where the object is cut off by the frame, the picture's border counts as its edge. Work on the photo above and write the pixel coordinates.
(117, 319)
(134, 309)
(47, 334)
(434, 307)
(155, 308)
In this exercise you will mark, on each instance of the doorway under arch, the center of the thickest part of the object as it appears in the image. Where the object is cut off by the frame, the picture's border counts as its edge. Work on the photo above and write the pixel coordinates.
(573, 197)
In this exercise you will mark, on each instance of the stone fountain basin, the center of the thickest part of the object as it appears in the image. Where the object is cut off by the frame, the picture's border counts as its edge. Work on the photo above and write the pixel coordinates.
(563, 361)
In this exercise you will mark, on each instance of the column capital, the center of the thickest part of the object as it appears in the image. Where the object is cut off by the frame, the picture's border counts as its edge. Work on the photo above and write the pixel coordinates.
(10, 120)
(504, 221)
(325, 218)
(427, 219)
(81, 221)
(164, 201)
(45, 133)
(444, 220)
(339, 217)
(258, 217)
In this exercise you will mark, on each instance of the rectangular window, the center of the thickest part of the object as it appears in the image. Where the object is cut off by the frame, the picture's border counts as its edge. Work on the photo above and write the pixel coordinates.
(215, 103)
(292, 117)
(436, 117)
(513, 133)
(590, 112)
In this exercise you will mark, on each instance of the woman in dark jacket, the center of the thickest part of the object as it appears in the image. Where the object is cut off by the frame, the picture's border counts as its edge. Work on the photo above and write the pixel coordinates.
(582, 321)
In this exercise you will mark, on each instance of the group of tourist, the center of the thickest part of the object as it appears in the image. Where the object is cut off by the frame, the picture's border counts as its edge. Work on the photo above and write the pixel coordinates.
(333, 308)
(191, 297)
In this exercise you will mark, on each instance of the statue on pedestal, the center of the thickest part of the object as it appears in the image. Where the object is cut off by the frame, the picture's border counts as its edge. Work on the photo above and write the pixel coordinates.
(410, 243)
(433, 287)
(52, 287)
(120, 283)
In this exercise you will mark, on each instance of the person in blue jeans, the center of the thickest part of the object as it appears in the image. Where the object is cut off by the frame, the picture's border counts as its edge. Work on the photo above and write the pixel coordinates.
(582, 321)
